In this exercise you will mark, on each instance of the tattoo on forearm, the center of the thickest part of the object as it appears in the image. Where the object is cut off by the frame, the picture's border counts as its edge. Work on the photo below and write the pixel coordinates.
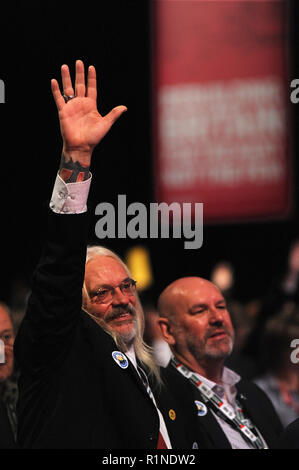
(72, 172)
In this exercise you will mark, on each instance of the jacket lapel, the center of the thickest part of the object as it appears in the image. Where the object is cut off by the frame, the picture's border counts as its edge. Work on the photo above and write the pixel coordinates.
(103, 344)
(136, 377)
(250, 411)
(210, 429)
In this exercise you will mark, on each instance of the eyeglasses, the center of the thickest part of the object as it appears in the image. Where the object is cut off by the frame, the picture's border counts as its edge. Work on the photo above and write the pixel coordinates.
(105, 294)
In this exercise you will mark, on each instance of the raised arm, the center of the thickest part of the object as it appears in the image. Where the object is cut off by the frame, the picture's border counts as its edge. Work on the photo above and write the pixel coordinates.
(82, 126)
(55, 302)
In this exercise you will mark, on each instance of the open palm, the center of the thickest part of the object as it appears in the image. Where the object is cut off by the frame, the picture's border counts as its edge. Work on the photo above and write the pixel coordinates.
(82, 126)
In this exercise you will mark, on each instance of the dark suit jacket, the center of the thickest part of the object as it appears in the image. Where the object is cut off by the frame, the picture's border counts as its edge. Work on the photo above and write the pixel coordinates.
(210, 435)
(290, 436)
(6, 434)
(72, 394)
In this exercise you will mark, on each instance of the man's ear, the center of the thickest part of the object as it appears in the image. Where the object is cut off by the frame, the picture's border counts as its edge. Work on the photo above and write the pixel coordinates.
(166, 330)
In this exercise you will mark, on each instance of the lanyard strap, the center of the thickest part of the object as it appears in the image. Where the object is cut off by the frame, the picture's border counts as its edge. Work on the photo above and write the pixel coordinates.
(223, 410)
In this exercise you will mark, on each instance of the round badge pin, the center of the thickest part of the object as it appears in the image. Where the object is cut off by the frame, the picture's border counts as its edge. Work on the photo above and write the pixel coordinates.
(201, 408)
(172, 415)
(120, 359)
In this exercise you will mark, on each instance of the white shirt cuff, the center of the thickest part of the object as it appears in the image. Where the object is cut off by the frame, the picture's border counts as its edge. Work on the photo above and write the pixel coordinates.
(70, 198)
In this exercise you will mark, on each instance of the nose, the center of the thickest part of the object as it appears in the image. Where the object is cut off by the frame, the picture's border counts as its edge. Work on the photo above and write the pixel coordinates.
(119, 298)
(216, 316)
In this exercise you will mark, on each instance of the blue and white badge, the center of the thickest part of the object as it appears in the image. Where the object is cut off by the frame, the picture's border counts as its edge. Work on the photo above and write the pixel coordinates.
(120, 359)
(201, 408)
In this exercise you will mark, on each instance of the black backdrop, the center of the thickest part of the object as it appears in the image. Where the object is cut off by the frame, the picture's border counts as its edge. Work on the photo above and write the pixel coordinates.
(114, 36)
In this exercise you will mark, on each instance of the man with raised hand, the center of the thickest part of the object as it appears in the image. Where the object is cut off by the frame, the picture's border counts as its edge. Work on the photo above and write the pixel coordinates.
(230, 412)
(87, 379)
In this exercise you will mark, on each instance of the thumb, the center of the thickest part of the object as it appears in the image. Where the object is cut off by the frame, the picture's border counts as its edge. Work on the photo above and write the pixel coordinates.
(114, 114)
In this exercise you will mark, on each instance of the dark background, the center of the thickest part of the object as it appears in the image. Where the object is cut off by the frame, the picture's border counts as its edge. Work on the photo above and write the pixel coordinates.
(36, 39)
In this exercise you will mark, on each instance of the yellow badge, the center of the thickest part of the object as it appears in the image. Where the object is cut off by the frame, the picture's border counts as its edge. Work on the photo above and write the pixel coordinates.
(172, 415)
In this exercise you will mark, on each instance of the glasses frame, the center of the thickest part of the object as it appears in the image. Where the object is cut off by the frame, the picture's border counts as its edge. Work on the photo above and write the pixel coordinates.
(111, 291)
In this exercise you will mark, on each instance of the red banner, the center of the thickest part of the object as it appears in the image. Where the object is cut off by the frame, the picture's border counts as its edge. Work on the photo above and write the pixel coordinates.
(221, 93)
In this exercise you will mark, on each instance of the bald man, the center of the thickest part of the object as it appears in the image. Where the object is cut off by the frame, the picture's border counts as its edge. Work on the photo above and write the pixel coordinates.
(231, 413)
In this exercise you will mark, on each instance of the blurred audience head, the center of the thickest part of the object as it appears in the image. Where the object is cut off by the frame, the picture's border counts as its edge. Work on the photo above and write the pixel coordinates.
(276, 345)
(152, 329)
(153, 335)
(7, 336)
(293, 257)
(242, 322)
(222, 276)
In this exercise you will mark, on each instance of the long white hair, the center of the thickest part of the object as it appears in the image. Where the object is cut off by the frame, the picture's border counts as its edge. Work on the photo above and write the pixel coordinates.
(142, 350)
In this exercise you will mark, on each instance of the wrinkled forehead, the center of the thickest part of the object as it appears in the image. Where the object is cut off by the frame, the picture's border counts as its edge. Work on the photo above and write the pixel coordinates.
(104, 270)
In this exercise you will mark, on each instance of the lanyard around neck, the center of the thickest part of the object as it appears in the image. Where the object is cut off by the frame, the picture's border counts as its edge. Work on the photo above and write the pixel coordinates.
(225, 411)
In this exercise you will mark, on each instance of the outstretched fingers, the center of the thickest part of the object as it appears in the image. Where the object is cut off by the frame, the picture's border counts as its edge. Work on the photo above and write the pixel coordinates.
(80, 79)
(59, 100)
(114, 114)
(66, 81)
(92, 83)
(67, 85)
(90, 90)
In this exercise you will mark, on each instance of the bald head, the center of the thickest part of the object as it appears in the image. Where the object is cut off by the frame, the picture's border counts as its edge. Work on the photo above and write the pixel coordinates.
(176, 295)
(194, 320)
